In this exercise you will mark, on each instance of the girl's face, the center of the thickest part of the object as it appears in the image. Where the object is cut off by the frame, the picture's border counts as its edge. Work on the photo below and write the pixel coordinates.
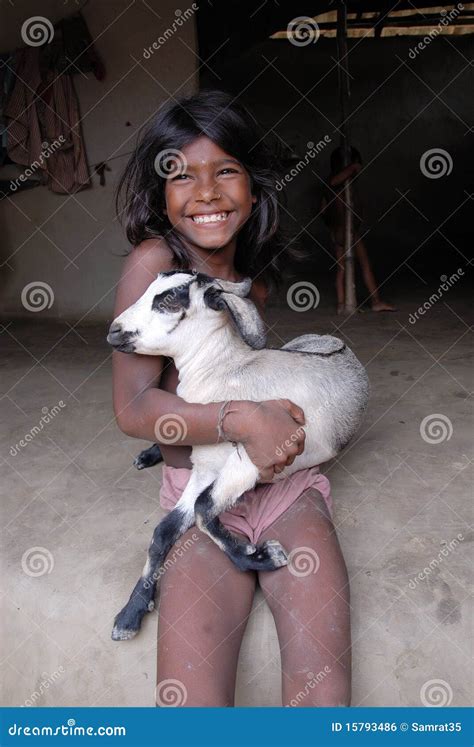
(209, 201)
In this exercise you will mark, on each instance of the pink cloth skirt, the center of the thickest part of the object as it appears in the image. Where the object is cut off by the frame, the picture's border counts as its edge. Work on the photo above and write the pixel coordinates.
(258, 508)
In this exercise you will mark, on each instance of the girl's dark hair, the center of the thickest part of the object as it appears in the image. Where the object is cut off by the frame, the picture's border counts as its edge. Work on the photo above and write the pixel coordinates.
(262, 248)
(337, 159)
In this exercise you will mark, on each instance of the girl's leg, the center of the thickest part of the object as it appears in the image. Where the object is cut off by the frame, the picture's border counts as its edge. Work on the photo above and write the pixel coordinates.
(369, 279)
(309, 600)
(204, 605)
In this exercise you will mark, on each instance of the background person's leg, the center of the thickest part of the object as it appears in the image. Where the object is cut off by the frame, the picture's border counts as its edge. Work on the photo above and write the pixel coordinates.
(204, 605)
(309, 600)
(369, 278)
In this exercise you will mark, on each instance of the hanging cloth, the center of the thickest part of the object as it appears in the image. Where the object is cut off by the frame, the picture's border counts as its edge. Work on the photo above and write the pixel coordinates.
(44, 130)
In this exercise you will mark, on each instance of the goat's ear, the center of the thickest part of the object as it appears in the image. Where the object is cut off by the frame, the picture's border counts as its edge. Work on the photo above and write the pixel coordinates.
(243, 313)
(241, 288)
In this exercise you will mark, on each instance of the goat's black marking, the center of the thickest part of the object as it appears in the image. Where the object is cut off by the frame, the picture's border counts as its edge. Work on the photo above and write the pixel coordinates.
(265, 557)
(313, 352)
(212, 299)
(129, 619)
(201, 277)
(172, 299)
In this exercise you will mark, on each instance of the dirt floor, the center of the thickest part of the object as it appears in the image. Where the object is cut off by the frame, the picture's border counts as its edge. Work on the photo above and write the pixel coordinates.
(79, 517)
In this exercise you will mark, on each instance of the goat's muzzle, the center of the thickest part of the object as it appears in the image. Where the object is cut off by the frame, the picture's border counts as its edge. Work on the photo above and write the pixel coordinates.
(120, 339)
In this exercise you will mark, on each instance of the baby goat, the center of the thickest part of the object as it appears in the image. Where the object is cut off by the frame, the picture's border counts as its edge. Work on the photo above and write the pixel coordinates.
(216, 338)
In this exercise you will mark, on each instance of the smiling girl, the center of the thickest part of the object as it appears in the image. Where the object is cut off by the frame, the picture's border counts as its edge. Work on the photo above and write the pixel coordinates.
(199, 193)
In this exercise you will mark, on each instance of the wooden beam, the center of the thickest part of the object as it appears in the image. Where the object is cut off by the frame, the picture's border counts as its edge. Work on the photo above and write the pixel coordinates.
(350, 301)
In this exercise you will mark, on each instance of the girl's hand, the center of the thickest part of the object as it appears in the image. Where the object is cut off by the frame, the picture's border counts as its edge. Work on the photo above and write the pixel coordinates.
(270, 431)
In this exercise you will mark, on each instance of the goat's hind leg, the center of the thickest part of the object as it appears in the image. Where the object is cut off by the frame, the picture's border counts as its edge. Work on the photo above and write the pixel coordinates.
(238, 475)
(171, 528)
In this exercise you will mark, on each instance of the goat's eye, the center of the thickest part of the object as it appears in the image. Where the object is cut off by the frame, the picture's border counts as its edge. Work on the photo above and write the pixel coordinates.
(171, 301)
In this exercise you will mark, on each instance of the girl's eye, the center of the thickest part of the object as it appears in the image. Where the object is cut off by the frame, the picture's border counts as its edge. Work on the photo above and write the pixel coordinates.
(179, 177)
(228, 170)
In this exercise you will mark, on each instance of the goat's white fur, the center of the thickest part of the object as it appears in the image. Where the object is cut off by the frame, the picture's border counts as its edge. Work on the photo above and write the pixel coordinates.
(215, 364)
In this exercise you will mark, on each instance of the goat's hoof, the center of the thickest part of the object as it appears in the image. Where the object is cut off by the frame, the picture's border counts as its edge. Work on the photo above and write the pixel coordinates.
(122, 634)
(275, 552)
(268, 556)
(148, 457)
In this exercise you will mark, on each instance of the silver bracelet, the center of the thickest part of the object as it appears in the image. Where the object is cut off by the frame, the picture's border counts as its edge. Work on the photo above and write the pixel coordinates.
(222, 413)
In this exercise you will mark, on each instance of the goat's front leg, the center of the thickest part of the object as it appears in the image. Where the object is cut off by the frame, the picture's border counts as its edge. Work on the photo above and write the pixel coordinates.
(128, 621)
(238, 475)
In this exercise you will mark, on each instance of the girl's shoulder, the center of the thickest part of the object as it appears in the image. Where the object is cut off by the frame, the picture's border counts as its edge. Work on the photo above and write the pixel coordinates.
(154, 253)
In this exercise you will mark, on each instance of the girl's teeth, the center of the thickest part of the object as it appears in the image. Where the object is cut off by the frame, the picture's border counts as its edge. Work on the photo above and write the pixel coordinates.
(209, 218)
